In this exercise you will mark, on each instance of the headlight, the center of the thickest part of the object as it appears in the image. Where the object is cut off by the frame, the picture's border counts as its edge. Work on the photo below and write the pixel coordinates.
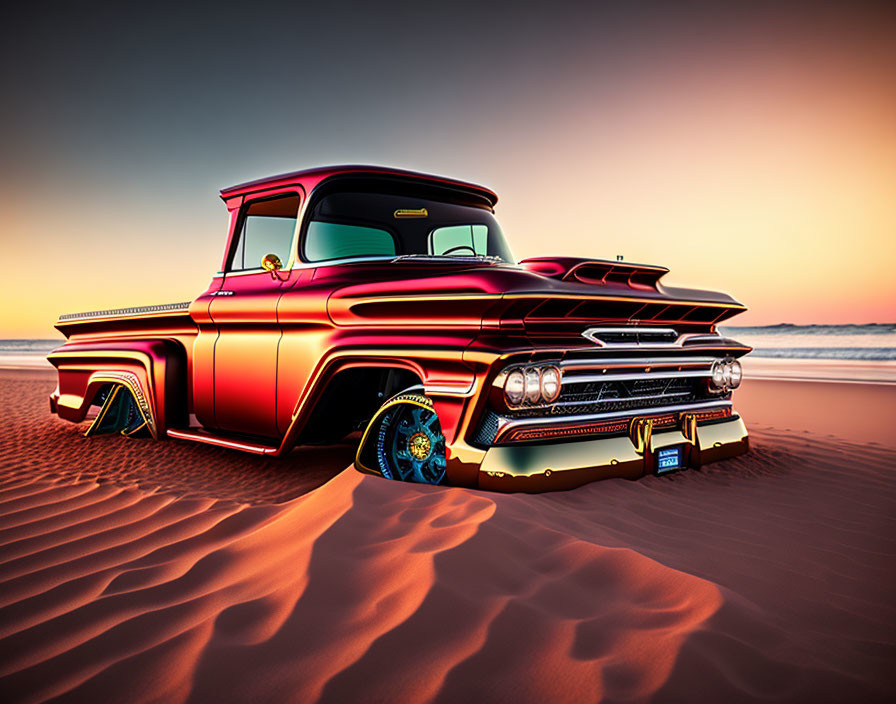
(533, 385)
(720, 374)
(726, 374)
(735, 373)
(515, 387)
(550, 384)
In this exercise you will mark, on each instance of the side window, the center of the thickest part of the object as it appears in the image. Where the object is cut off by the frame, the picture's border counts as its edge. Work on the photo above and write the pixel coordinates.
(459, 240)
(267, 228)
(330, 240)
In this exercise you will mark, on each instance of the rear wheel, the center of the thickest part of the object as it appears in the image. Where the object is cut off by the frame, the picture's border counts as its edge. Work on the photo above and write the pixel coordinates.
(409, 443)
(119, 413)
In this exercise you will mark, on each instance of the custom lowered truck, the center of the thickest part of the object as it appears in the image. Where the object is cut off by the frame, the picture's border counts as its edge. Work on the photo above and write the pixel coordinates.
(370, 299)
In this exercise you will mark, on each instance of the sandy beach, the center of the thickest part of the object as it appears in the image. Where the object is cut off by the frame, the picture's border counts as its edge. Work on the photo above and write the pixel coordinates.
(139, 571)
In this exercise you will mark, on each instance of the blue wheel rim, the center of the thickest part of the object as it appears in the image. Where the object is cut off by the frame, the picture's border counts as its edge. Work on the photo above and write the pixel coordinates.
(411, 446)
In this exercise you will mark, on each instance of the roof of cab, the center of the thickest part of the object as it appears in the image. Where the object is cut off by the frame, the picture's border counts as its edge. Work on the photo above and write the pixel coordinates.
(312, 177)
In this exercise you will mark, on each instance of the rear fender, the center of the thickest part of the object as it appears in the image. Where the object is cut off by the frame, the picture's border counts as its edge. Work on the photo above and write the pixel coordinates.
(152, 370)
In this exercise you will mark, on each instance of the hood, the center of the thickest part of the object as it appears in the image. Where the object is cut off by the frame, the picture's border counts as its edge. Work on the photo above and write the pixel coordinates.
(545, 294)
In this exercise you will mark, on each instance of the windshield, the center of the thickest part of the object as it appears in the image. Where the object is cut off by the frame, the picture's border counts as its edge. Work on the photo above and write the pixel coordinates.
(356, 224)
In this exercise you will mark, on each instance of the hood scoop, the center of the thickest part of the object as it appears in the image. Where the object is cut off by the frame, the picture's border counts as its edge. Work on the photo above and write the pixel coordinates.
(597, 272)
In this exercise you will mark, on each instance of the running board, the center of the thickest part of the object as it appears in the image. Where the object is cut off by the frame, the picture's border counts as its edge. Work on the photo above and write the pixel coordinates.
(203, 436)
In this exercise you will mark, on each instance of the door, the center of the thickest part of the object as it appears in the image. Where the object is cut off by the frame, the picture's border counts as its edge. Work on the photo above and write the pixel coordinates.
(244, 312)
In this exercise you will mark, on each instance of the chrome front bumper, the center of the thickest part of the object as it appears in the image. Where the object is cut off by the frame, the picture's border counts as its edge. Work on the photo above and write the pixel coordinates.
(565, 465)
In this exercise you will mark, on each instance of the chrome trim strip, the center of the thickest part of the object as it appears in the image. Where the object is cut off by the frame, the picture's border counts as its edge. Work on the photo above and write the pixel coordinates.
(335, 262)
(299, 265)
(121, 312)
(209, 439)
(463, 391)
(244, 272)
(571, 364)
(593, 334)
(716, 337)
(660, 346)
(657, 410)
(590, 378)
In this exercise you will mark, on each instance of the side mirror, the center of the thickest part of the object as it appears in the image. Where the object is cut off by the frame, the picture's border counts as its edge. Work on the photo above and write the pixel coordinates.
(271, 262)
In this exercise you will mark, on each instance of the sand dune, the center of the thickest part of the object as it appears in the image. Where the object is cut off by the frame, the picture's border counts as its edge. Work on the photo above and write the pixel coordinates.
(136, 571)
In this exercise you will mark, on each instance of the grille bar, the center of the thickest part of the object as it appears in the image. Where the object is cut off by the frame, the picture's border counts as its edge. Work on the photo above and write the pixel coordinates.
(596, 363)
(638, 376)
(650, 397)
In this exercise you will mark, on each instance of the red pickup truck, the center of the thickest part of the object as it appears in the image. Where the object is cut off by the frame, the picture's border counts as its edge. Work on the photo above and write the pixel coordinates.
(369, 299)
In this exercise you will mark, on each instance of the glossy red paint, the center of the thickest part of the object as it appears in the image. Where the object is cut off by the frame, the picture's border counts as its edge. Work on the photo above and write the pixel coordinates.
(250, 361)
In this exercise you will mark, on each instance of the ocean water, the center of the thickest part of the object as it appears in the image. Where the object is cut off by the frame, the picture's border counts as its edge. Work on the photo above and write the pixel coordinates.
(27, 354)
(872, 342)
(29, 346)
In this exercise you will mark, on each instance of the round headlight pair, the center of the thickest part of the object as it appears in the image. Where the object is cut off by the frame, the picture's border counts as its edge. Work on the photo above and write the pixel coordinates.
(726, 374)
(532, 385)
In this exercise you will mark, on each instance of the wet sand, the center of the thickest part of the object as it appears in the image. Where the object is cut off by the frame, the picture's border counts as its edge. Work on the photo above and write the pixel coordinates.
(133, 570)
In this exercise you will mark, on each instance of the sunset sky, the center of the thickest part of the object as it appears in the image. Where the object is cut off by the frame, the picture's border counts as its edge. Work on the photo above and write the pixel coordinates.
(752, 151)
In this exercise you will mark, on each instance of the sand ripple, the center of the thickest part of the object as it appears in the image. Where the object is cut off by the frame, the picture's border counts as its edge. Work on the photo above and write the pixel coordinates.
(768, 578)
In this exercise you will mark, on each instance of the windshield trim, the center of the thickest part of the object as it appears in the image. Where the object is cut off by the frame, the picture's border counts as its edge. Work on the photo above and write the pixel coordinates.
(392, 259)
(343, 260)
(452, 257)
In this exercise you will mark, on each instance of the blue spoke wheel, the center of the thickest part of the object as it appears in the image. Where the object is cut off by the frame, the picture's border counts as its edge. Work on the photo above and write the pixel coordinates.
(410, 446)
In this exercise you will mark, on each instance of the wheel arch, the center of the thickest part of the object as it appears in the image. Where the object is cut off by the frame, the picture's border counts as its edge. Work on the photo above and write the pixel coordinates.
(370, 380)
(154, 371)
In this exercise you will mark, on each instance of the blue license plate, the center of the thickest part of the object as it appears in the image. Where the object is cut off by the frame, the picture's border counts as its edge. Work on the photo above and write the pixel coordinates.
(668, 459)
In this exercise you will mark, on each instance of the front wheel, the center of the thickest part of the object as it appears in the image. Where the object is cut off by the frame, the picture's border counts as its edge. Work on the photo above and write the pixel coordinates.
(404, 441)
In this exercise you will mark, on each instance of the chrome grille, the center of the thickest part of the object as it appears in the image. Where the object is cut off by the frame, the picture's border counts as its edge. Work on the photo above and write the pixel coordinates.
(600, 396)
(623, 379)
(592, 386)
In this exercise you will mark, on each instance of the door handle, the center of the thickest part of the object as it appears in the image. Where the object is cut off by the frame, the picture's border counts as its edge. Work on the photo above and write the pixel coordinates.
(222, 293)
